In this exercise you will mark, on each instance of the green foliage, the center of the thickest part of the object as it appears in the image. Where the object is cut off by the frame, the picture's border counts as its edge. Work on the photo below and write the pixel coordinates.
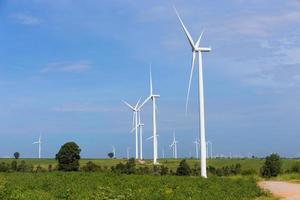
(295, 167)
(23, 167)
(110, 154)
(272, 166)
(104, 185)
(163, 170)
(68, 157)
(248, 172)
(127, 168)
(17, 155)
(183, 169)
(14, 165)
(4, 167)
(91, 167)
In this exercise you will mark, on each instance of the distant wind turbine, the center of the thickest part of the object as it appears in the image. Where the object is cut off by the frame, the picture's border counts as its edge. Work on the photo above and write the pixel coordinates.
(153, 97)
(114, 151)
(39, 142)
(127, 151)
(196, 49)
(174, 146)
(135, 121)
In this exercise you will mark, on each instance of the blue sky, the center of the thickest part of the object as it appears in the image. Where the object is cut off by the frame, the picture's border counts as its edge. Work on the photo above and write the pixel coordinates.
(65, 66)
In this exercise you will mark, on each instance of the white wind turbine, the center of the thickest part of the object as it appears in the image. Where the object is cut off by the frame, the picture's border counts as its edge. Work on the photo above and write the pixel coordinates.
(114, 151)
(196, 142)
(127, 151)
(154, 136)
(174, 146)
(196, 49)
(209, 149)
(39, 142)
(135, 121)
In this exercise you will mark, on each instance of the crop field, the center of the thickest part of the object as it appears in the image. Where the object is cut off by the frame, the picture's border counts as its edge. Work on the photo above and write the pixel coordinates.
(79, 185)
(105, 184)
(170, 163)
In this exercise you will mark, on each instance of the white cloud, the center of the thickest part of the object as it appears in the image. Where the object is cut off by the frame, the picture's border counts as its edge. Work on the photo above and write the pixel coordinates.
(67, 67)
(25, 19)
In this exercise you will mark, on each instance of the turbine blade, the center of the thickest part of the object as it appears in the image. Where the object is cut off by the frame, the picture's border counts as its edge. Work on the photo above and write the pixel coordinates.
(149, 138)
(190, 81)
(199, 39)
(127, 104)
(146, 100)
(189, 37)
(136, 105)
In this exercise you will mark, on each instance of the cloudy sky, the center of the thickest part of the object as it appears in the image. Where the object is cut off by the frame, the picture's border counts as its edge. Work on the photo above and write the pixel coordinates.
(66, 65)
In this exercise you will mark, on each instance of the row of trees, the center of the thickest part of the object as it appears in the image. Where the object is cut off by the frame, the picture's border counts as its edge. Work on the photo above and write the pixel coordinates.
(69, 155)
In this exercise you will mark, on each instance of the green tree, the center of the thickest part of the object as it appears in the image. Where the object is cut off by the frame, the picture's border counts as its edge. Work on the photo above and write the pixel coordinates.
(14, 165)
(68, 157)
(183, 169)
(110, 154)
(17, 155)
(272, 166)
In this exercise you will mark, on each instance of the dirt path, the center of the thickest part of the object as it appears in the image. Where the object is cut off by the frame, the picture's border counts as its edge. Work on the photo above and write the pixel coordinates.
(284, 190)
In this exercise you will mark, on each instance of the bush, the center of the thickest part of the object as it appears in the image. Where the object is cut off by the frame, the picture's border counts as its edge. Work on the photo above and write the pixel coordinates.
(127, 168)
(23, 167)
(14, 165)
(17, 155)
(68, 157)
(91, 167)
(248, 172)
(272, 166)
(296, 167)
(164, 170)
(183, 169)
(4, 167)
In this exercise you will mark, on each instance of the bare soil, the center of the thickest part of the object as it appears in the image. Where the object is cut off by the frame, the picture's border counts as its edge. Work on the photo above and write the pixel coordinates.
(283, 190)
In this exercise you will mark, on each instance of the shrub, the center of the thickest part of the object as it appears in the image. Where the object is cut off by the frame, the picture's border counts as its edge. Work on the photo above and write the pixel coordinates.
(50, 169)
(296, 167)
(272, 166)
(14, 165)
(164, 170)
(91, 167)
(183, 169)
(247, 172)
(127, 168)
(17, 155)
(39, 168)
(212, 170)
(4, 167)
(23, 167)
(68, 157)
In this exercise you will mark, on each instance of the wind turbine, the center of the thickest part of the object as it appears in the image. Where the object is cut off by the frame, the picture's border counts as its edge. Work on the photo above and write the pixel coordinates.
(39, 142)
(127, 151)
(196, 49)
(153, 97)
(196, 142)
(114, 151)
(140, 126)
(209, 147)
(174, 146)
(135, 121)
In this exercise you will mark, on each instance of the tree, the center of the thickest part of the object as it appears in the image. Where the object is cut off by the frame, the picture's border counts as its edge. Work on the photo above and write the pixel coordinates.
(17, 155)
(110, 154)
(183, 169)
(14, 165)
(68, 157)
(272, 166)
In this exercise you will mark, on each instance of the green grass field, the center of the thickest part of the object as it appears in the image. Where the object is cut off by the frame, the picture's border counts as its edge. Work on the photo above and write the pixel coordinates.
(170, 163)
(107, 185)
(100, 186)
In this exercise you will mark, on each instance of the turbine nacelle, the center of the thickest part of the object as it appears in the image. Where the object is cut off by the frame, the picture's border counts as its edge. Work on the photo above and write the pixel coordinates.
(203, 49)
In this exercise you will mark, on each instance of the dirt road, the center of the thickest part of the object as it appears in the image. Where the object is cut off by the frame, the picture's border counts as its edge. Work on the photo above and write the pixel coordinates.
(284, 190)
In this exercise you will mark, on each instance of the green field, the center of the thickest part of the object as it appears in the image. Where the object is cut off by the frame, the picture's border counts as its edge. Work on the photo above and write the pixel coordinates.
(108, 185)
(170, 163)
(80, 185)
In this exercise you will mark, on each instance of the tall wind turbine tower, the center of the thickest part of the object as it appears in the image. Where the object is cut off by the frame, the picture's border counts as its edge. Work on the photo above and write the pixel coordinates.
(153, 97)
(39, 142)
(114, 151)
(196, 49)
(135, 121)
(140, 126)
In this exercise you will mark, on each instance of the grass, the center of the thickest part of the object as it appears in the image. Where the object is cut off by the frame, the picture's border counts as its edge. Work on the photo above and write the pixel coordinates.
(170, 163)
(94, 186)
